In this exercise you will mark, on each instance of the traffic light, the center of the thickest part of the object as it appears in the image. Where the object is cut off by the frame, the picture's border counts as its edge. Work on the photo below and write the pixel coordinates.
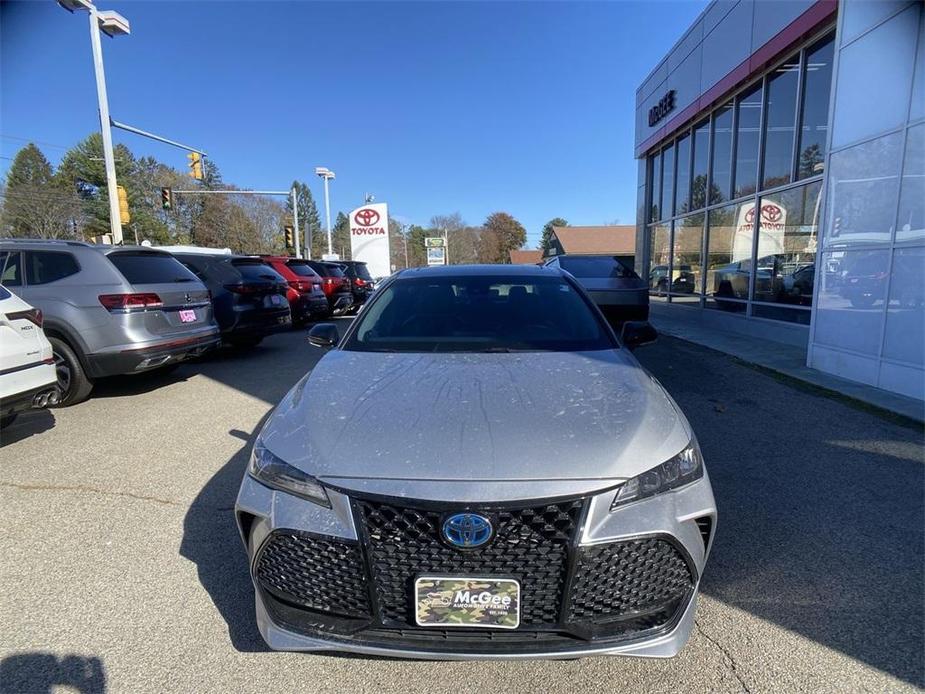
(290, 238)
(167, 198)
(195, 165)
(124, 212)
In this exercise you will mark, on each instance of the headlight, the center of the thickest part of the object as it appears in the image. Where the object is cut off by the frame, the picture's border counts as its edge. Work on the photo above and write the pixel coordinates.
(682, 469)
(275, 472)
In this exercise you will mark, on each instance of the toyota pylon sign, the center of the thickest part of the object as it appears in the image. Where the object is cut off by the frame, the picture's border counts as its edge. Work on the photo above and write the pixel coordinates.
(369, 238)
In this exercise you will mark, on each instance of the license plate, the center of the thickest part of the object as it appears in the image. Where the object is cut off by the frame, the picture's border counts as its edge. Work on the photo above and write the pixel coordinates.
(187, 316)
(448, 601)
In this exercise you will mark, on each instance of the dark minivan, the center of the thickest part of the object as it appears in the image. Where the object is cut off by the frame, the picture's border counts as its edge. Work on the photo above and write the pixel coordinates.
(249, 296)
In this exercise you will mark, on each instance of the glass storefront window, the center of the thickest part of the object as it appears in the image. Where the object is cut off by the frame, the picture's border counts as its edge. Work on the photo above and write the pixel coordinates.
(728, 261)
(852, 291)
(862, 189)
(779, 124)
(654, 176)
(659, 259)
(667, 182)
(701, 157)
(787, 236)
(817, 83)
(905, 319)
(721, 166)
(683, 184)
(748, 108)
(687, 259)
(911, 225)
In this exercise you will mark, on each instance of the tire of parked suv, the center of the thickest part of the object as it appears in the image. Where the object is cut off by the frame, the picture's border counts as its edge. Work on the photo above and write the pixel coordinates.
(73, 381)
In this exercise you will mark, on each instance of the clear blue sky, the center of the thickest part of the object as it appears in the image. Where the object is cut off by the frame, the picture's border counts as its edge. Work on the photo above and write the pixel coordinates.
(433, 107)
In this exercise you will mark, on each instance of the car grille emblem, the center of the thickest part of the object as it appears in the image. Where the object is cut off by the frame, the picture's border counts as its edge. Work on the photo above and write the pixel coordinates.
(467, 530)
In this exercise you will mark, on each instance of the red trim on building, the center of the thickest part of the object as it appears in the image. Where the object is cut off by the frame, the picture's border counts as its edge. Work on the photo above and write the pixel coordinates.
(793, 33)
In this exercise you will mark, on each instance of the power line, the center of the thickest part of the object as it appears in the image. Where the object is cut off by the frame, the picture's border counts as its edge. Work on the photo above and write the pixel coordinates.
(37, 142)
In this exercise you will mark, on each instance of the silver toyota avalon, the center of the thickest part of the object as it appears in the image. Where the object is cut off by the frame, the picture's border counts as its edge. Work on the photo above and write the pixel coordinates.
(478, 468)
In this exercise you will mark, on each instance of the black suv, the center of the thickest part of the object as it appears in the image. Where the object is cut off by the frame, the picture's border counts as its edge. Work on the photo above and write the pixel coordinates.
(361, 282)
(249, 296)
(334, 283)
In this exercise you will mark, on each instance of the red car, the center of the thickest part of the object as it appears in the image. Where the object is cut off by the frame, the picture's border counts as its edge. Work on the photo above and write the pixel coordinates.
(307, 299)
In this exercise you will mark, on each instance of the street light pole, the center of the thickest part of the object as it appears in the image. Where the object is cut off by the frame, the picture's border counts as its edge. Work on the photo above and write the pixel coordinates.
(115, 219)
(295, 223)
(113, 24)
(327, 175)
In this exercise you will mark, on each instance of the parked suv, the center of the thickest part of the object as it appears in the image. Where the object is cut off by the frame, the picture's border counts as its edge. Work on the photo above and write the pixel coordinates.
(307, 300)
(109, 310)
(360, 281)
(27, 368)
(614, 286)
(249, 296)
(334, 284)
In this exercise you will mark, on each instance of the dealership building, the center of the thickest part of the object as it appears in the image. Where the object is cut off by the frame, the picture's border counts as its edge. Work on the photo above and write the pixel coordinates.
(781, 190)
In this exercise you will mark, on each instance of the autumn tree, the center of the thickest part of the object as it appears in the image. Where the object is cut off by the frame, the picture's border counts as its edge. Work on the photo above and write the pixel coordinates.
(37, 203)
(503, 234)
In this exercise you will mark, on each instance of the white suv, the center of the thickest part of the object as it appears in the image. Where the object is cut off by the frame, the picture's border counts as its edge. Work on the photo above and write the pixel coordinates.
(27, 367)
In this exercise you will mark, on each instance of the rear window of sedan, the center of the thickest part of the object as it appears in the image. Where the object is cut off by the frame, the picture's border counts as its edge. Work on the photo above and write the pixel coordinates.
(256, 270)
(140, 267)
(597, 266)
(479, 314)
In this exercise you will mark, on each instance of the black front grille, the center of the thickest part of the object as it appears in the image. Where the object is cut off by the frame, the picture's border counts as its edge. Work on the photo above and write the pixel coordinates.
(318, 573)
(570, 594)
(530, 544)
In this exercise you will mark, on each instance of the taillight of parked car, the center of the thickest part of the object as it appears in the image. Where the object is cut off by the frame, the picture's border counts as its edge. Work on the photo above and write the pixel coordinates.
(329, 285)
(359, 282)
(130, 302)
(33, 315)
(301, 286)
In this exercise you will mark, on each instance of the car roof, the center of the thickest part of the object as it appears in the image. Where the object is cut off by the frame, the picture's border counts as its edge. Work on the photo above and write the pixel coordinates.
(480, 271)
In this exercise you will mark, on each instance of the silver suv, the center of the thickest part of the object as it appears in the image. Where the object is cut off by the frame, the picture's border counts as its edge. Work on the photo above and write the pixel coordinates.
(109, 310)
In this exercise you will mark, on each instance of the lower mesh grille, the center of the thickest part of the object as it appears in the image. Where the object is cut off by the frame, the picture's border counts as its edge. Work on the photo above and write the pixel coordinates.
(619, 579)
(323, 574)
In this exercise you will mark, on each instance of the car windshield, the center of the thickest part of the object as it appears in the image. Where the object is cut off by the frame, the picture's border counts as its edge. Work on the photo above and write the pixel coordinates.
(301, 269)
(479, 314)
(597, 266)
(145, 267)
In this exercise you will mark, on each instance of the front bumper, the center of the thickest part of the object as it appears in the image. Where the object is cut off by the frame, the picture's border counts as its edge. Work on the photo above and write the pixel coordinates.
(678, 518)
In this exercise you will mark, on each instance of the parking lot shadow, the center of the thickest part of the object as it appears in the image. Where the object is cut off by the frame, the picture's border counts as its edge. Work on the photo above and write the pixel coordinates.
(38, 673)
(211, 541)
(27, 424)
(821, 525)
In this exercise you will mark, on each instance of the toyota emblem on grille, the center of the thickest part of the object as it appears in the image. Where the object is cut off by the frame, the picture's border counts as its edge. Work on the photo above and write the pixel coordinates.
(467, 530)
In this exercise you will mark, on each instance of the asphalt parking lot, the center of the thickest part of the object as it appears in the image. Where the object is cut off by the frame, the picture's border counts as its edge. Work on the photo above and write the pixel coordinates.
(122, 569)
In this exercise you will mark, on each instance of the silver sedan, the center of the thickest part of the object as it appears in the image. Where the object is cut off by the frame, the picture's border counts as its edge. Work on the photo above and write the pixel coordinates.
(478, 468)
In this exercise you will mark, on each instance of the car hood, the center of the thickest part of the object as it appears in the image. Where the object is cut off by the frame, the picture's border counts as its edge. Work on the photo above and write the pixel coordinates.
(358, 417)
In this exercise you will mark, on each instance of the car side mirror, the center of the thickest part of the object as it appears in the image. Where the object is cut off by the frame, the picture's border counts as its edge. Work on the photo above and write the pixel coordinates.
(323, 335)
(637, 333)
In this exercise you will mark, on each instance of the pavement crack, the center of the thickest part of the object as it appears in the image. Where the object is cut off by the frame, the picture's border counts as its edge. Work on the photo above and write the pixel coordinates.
(726, 656)
(91, 490)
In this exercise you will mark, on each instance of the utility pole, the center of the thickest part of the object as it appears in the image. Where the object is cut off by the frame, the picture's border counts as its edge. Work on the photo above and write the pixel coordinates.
(295, 223)
(446, 246)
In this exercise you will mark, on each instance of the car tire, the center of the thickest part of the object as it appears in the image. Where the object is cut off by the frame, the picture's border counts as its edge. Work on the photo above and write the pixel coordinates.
(73, 381)
(6, 421)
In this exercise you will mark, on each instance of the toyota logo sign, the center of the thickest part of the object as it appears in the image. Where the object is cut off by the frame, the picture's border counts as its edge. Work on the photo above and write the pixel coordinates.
(769, 213)
(366, 217)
